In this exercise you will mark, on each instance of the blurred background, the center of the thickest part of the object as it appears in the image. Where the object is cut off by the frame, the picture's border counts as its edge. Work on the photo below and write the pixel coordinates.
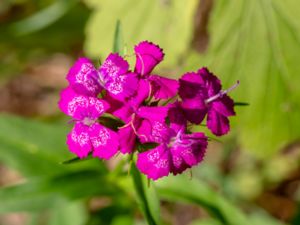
(251, 176)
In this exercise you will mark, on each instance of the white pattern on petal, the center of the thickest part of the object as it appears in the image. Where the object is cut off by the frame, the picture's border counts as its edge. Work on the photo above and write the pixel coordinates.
(82, 138)
(110, 68)
(157, 131)
(97, 104)
(78, 101)
(177, 161)
(161, 164)
(116, 86)
(101, 139)
(153, 156)
(83, 78)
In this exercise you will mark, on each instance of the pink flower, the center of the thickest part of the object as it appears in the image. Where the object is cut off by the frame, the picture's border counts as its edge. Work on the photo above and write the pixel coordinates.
(148, 55)
(88, 136)
(201, 95)
(176, 152)
(113, 76)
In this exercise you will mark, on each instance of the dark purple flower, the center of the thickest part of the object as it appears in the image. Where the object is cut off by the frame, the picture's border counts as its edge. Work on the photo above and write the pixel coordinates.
(202, 95)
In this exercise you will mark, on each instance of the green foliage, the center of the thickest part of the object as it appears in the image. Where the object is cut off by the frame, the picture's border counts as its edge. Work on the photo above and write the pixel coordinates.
(257, 42)
(157, 21)
(147, 199)
(42, 18)
(181, 188)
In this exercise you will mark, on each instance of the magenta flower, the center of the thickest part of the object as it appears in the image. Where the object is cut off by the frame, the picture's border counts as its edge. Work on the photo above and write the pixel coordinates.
(143, 110)
(113, 76)
(83, 78)
(201, 95)
(88, 135)
(148, 55)
(176, 152)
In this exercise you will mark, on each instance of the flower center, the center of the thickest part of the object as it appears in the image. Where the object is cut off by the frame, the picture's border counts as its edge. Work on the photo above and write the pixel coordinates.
(88, 121)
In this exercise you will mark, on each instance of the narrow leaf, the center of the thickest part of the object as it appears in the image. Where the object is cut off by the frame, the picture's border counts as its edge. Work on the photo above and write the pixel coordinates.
(142, 196)
(118, 42)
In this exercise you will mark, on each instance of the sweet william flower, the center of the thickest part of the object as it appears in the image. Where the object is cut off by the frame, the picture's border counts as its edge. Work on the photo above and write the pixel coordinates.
(134, 98)
(177, 150)
(202, 95)
(137, 117)
(113, 76)
(87, 135)
(148, 55)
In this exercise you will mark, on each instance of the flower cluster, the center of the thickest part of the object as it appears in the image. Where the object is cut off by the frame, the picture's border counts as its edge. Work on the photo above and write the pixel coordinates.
(116, 109)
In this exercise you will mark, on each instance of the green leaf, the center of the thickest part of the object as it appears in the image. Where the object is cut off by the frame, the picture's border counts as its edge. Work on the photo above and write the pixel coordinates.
(46, 193)
(37, 149)
(181, 188)
(156, 21)
(73, 213)
(258, 43)
(77, 160)
(33, 148)
(43, 18)
(118, 42)
(147, 199)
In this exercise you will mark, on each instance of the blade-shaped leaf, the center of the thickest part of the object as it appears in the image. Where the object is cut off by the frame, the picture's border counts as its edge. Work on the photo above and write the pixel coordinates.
(181, 188)
(147, 200)
(45, 193)
(118, 41)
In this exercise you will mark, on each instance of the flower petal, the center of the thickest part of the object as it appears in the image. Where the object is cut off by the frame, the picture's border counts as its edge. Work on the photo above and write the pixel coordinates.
(115, 78)
(224, 105)
(104, 141)
(83, 78)
(153, 113)
(142, 94)
(122, 86)
(217, 123)
(73, 104)
(162, 87)
(80, 106)
(127, 139)
(192, 85)
(212, 83)
(178, 121)
(188, 152)
(78, 140)
(113, 66)
(194, 109)
(153, 131)
(148, 55)
(155, 163)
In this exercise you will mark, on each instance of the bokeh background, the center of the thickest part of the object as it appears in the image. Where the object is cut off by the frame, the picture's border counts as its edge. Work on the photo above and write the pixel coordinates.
(251, 176)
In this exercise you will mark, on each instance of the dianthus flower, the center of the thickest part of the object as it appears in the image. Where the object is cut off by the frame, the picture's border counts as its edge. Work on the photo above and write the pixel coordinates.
(144, 110)
(148, 55)
(202, 95)
(177, 149)
(113, 76)
(87, 134)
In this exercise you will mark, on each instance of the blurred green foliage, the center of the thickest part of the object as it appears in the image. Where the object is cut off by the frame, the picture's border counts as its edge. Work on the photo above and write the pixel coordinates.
(167, 23)
(257, 42)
